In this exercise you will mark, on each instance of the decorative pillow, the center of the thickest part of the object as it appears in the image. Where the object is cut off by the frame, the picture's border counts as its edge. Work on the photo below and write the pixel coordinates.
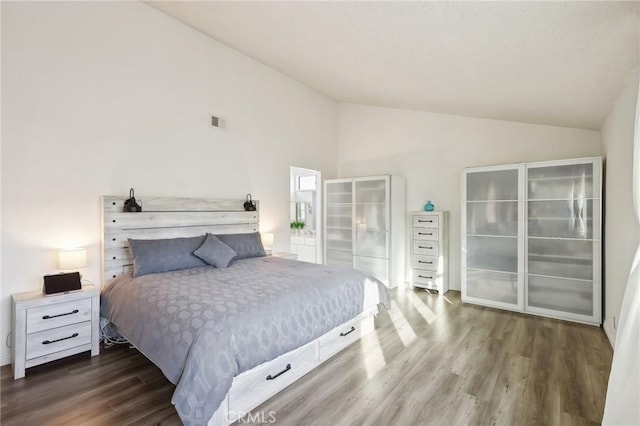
(215, 252)
(171, 254)
(245, 245)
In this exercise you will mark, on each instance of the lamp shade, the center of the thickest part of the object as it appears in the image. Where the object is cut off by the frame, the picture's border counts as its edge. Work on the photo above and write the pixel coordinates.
(267, 239)
(72, 258)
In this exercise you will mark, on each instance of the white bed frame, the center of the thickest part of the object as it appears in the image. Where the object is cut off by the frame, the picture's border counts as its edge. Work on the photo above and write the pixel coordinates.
(183, 217)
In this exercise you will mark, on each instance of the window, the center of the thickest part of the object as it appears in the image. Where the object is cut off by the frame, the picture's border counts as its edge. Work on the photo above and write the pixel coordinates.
(307, 183)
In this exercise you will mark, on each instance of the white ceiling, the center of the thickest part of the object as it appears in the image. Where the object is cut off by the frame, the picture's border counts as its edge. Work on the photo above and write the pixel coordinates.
(558, 63)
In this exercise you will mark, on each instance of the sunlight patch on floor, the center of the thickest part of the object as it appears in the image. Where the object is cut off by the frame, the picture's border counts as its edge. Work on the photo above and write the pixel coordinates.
(403, 328)
(374, 360)
(423, 309)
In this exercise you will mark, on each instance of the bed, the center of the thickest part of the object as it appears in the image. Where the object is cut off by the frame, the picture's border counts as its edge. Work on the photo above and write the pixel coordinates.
(228, 337)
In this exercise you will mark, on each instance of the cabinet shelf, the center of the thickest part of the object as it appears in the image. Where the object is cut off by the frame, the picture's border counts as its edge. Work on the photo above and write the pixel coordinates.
(339, 250)
(491, 270)
(559, 258)
(559, 178)
(561, 278)
(562, 238)
(532, 200)
(566, 219)
(492, 236)
(492, 201)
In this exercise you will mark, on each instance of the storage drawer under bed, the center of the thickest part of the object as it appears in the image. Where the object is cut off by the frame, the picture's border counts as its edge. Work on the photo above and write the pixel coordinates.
(342, 336)
(255, 386)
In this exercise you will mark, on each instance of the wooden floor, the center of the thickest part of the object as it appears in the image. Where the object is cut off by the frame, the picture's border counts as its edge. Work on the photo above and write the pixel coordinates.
(431, 360)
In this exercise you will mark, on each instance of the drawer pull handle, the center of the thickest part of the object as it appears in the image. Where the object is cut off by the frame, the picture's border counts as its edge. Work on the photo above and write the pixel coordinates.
(423, 261)
(287, 368)
(48, 342)
(428, 221)
(423, 247)
(348, 332)
(46, 317)
(425, 233)
(427, 277)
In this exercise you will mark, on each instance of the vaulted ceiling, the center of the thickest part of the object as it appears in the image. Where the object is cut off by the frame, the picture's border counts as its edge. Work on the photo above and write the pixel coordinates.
(558, 63)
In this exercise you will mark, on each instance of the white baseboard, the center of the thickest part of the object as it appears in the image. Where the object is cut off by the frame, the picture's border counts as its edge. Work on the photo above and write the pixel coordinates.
(607, 326)
(5, 358)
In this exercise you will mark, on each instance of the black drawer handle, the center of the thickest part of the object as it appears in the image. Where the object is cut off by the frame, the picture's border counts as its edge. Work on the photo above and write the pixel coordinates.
(425, 233)
(75, 311)
(428, 221)
(424, 261)
(423, 247)
(287, 368)
(48, 342)
(348, 332)
(422, 276)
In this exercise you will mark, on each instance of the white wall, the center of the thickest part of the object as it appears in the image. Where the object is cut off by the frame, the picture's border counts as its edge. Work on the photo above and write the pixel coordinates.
(100, 97)
(431, 150)
(621, 228)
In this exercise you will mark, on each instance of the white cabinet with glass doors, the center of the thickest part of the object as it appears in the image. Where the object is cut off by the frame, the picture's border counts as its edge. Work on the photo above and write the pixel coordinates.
(364, 225)
(531, 238)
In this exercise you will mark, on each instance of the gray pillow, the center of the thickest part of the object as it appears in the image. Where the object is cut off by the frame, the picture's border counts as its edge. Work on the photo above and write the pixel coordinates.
(171, 254)
(246, 245)
(215, 252)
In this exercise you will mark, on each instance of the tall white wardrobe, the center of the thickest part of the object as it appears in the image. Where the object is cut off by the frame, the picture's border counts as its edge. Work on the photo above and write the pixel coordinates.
(531, 238)
(365, 225)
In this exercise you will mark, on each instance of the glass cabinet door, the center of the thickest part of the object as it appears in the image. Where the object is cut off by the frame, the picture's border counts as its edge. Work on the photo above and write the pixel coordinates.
(372, 226)
(339, 223)
(492, 252)
(563, 238)
(371, 218)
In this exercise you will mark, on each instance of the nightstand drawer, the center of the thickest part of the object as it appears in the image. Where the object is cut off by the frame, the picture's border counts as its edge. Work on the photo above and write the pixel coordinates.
(59, 314)
(58, 339)
(425, 234)
(425, 221)
(425, 248)
(425, 262)
(425, 278)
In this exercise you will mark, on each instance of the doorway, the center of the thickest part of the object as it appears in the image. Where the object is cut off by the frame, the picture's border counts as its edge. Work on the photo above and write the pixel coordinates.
(305, 218)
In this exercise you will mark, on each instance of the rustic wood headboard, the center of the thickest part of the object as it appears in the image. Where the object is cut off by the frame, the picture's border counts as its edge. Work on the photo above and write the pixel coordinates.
(166, 217)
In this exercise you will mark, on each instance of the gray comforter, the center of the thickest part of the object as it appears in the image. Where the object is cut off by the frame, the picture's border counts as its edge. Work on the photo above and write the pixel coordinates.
(204, 326)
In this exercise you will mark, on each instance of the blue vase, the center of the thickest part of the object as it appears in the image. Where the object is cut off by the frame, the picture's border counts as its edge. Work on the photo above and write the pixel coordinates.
(429, 206)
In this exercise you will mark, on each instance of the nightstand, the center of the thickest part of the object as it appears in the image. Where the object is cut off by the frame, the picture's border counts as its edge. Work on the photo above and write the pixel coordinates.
(46, 328)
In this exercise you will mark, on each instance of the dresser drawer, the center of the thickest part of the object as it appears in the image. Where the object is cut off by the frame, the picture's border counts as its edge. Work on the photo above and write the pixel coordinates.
(425, 262)
(341, 337)
(425, 248)
(425, 234)
(58, 339)
(425, 221)
(59, 314)
(425, 278)
(257, 385)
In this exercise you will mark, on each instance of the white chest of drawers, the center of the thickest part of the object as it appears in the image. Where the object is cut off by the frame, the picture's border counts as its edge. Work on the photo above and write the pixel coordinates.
(46, 328)
(429, 250)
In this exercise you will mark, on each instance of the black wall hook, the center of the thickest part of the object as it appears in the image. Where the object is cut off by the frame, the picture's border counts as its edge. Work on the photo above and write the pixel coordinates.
(249, 204)
(131, 205)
